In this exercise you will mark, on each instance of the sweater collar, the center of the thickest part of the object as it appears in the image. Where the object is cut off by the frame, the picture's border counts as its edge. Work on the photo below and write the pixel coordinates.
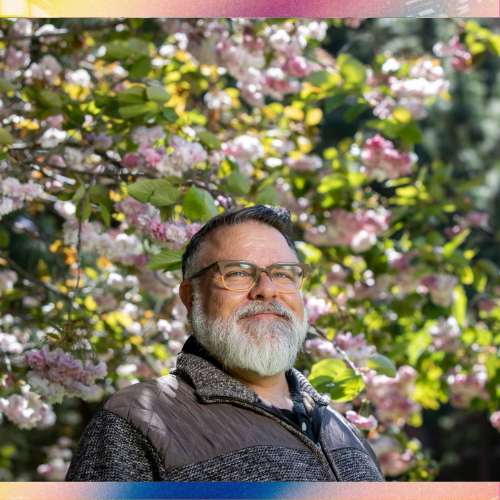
(210, 381)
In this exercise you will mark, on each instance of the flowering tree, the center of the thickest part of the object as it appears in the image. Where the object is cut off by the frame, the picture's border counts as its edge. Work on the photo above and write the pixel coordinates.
(119, 138)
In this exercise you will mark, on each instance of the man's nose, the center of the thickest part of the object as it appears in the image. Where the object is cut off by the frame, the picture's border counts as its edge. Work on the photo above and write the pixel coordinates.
(264, 288)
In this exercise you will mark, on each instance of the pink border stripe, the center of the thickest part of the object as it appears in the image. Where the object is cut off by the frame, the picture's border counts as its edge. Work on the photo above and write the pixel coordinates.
(251, 8)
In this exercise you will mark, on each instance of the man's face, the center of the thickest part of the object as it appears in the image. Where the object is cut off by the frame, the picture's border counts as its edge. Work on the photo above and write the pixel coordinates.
(260, 330)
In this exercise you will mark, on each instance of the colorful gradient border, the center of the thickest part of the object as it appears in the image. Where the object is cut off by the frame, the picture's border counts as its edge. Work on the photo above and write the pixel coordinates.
(220, 491)
(250, 8)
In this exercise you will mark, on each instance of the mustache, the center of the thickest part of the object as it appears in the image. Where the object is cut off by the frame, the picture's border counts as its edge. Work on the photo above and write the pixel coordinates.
(258, 308)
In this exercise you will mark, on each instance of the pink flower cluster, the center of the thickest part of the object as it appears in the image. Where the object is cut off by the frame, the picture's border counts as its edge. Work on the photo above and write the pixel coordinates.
(66, 372)
(425, 81)
(306, 163)
(355, 347)
(58, 460)
(393, 460)
(13, 194)
(244, 149)
(27, 410)
(440, 287)
(461, 58)
(361, 422)
(8, 279)
(268, 63)
(392, 395)
(176, 234)
(184, 156)
(446, 334)
(358, 230)
(320, 348)
(464, 387)
(381, 160)
(316, 307)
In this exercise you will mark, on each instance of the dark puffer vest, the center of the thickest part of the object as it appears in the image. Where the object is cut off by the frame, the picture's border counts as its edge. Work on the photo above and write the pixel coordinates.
(201, 424)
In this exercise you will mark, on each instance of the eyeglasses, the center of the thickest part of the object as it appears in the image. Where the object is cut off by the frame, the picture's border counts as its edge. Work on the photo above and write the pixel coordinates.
(240, 276)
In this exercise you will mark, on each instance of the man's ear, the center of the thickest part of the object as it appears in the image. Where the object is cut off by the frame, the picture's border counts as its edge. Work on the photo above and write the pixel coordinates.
(186, 294)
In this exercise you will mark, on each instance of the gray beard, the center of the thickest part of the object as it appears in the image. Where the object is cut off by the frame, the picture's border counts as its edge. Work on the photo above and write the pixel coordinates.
(264, 346)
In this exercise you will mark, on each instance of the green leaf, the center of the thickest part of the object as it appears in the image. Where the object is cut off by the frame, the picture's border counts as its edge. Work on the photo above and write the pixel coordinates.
(105, 214)
(452, 245)
(50, 99)
(117, 50)
(140, 68)
(132, 95)
(4, 238)
(6, 86)
(142, 190)
(267, 196)
(170, 115)
(382, 364)
(6, 137)
(159, 192)
(208, 139)
(336, 378)
(164, 194)
(157, 93)
(237, 183)
(318, 78)
(198, 204)
(135, 110)
(351, 69)
(166, 260)
(459, 308)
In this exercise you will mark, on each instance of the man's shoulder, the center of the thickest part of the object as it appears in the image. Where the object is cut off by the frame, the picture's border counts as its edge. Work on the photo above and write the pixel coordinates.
(141, 401)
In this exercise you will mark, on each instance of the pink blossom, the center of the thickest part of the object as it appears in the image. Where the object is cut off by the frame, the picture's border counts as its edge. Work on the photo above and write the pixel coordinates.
(151, 156)
(478, 219)
(495, 420)
(306, 163)
(446, 334)
(364, 423)
(297, 66)
(383, 161)
(440, 287)
(244, 147)
(464, 387)
(320, 348)
(63, 370)
(355, 347)
(147, 136)
(392, 395)
(316, 307)
(131, 160)
(461, 58)
(395, 463)
(27, 410)
(186, 154)
(359, 230)
(8, 279)
(336, 276)
(177, 234)
(47, 69)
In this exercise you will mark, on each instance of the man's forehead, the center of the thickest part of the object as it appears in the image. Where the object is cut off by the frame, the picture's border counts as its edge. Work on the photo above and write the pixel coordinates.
(246, 241)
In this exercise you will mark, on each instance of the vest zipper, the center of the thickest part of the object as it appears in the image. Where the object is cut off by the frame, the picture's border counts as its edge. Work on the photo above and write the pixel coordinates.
(316, 448)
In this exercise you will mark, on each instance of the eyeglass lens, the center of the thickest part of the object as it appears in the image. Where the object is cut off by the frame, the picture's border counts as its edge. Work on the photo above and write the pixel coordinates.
(242, 276)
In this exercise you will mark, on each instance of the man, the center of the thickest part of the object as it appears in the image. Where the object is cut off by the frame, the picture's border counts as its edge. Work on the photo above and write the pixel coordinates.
(233, 409)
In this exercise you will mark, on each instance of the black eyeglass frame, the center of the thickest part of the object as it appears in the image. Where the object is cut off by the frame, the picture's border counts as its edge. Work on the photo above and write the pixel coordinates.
(259, 270)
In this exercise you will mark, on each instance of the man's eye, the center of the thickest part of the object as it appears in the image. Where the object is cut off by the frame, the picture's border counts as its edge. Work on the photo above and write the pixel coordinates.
(283, 275)
(237, 274)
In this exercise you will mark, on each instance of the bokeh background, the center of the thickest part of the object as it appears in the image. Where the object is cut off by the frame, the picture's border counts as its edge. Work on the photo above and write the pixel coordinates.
(120, 137)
